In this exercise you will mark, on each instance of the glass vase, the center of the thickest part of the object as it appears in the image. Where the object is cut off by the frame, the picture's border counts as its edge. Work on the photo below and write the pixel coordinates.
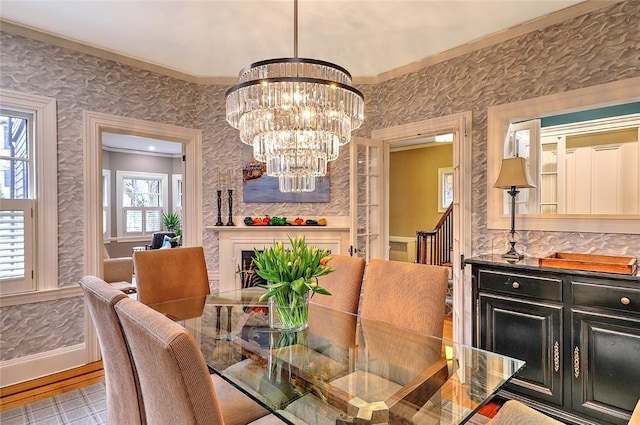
(289, 315)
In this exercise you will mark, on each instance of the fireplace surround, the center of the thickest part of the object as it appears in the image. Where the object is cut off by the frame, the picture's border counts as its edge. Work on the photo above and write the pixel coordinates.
(234, 240)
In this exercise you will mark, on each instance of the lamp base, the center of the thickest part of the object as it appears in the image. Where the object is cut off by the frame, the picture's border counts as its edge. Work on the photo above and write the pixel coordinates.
(512, 254)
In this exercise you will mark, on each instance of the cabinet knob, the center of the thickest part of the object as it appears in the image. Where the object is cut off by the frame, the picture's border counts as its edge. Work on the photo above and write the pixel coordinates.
(625, 301)
(515, 285)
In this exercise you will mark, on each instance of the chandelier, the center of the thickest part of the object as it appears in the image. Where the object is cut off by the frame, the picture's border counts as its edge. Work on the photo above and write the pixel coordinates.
(295, 113)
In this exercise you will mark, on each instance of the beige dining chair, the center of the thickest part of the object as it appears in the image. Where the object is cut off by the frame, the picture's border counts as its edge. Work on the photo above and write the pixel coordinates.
(124, 399)
(174, 380)
(344, 283)
(516, 413)
(409, 295)
(170, 274)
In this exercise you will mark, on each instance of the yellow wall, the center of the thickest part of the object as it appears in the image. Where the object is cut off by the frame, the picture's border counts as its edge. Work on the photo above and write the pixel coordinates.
(413, 188)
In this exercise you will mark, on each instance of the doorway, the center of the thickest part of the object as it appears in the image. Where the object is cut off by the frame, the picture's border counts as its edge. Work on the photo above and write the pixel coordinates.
(95, 124)
(142, 181)
(405, 135)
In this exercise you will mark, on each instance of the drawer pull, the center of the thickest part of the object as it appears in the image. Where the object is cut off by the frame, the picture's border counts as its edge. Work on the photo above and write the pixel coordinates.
(515, 285)
(556, 356)
(625, 301)
(576, 362)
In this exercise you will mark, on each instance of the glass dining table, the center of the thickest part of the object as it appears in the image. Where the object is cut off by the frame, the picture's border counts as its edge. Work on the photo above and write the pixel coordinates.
(344, 368)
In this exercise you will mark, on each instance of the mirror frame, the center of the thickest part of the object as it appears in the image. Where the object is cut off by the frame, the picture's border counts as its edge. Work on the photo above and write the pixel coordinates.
(498, 119)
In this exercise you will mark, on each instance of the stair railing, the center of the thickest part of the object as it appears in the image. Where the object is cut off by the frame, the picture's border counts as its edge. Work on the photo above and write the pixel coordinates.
(434, 246)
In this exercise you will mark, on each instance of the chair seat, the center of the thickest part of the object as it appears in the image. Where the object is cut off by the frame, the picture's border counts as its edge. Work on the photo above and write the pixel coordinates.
(237, 408)
(368, 386)
(310, 409)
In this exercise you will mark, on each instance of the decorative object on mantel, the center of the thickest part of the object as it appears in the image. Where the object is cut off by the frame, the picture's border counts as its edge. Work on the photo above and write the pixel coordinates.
(219, 221)
(230, 222)
(291, 274)
(296, 113)
(590, 262)
(514, 174)
(282, 221)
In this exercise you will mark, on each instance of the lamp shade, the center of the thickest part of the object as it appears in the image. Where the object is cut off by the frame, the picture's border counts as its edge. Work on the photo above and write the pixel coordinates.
(514, 172)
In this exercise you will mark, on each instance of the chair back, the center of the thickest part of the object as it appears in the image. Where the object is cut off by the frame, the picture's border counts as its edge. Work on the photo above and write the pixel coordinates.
(124, 399)
(344, 284)
(173, 374)
(406, 294)
(170, 274)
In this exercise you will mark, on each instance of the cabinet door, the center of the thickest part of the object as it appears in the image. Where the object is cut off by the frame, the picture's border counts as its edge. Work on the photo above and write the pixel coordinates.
(528, 331)
(606, 365)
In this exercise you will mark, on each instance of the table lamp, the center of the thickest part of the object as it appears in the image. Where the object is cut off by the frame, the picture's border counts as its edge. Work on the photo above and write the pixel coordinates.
(514, 174)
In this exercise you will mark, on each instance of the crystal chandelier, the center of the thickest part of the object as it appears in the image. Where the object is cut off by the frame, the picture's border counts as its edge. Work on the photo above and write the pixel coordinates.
(295, 113)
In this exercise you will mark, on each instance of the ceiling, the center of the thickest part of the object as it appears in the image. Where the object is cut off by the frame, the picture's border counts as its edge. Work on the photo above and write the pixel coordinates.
(124, 142)
(217, 38)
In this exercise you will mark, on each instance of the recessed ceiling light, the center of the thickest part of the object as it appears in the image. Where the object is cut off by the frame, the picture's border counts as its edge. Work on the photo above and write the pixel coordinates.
(152, 148)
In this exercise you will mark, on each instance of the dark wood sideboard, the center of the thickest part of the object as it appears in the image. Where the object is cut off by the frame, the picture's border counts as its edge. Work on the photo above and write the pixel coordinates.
(579, 333)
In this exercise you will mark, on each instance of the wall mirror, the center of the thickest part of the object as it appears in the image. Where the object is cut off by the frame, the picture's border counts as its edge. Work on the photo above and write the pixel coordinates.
(582, 151)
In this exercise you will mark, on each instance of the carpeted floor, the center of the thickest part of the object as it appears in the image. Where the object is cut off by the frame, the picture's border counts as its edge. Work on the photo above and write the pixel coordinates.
(85, 406)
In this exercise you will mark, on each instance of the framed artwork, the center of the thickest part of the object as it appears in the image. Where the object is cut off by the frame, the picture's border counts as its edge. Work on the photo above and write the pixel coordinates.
(445, 188)
(258, 187)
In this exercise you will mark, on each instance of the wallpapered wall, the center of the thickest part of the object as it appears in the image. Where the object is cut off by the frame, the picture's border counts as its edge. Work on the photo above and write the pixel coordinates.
(593, 49)
(599, 47)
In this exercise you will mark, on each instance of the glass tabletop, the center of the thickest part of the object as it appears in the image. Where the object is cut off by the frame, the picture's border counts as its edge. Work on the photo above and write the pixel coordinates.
(343, 368)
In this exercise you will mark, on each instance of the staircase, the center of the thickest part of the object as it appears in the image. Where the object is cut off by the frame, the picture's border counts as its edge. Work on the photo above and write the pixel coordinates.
(435, 247)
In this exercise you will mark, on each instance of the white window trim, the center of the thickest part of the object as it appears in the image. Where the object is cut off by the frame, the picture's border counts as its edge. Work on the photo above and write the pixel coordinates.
(106, 191)
(46, 190)
(164, 193)
(175, 194)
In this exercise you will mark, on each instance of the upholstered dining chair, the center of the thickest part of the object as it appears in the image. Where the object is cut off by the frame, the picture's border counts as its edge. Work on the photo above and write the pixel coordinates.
(409, 295)
(170, 274)
(516, 413)
(344, 283)
(124, 399)
(406, 295)
(174, 380)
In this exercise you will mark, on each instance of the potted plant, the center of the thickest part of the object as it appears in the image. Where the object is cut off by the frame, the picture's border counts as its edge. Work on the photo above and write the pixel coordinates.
(292, 278)
(171, 222)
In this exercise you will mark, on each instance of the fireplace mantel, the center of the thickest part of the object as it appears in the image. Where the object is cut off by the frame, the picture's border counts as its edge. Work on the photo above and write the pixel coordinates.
(235, 239)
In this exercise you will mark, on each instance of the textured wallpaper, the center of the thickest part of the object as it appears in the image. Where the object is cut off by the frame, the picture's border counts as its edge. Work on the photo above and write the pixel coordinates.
(596, 48)
(593, 49)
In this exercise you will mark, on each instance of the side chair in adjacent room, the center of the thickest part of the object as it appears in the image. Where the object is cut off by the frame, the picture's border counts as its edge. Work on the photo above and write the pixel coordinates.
(173, 375)
(124, 400)
(170, 274)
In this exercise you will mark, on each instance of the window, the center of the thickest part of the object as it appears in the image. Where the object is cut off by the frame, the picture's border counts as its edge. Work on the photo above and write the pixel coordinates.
(445, 185)
(141, 202)
(106, 205)
(28, 189)
(16, 239)
(176, 193)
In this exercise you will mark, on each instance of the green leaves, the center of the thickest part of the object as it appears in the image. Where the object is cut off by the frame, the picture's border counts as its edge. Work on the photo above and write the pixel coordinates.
(292, 270)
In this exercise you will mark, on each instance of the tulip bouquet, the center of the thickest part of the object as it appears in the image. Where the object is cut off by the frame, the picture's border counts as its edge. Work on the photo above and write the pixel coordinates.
(291, 274)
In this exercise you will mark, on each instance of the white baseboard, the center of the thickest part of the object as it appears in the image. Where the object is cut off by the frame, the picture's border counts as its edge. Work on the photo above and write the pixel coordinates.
(42, 364)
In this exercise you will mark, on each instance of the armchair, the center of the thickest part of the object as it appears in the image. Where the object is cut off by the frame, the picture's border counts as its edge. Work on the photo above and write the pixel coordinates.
(117, 269)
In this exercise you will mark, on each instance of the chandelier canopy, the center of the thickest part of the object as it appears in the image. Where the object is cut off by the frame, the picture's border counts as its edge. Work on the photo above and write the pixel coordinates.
(295, 113)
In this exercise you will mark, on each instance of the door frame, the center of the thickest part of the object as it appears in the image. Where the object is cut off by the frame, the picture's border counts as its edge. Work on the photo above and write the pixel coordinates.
(460, 125)
(95, 124)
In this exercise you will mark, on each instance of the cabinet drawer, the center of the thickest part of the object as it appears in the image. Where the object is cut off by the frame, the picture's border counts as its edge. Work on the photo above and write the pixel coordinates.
(613, 297)
(516, 284)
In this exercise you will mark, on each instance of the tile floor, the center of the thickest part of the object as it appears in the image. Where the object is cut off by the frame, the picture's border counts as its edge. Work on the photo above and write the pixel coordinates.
(85, 406)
